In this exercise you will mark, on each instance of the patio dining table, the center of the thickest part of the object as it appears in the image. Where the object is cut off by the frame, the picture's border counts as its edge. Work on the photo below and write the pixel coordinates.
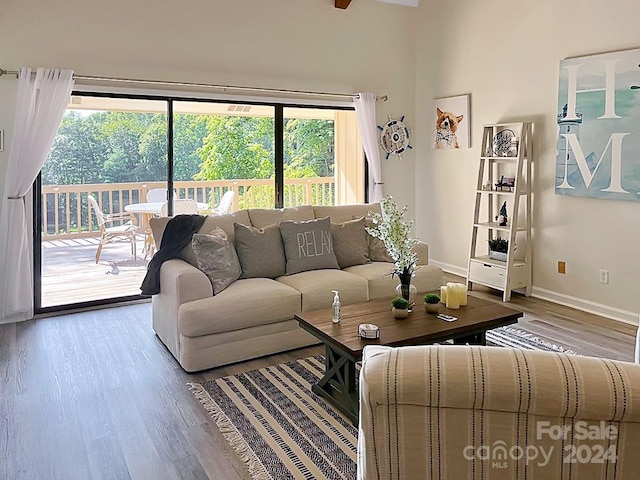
(146, 210)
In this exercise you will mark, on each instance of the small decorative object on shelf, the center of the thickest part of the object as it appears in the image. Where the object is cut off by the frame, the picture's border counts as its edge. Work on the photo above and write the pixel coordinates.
(486, 186)
(400, 307)
(506, 183)
(502, 143)
(498, 248)
(513, 149)
(502, 218)
(431, 303)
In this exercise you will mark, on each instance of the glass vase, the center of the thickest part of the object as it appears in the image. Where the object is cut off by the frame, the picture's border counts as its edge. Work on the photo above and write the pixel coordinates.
(409, 292)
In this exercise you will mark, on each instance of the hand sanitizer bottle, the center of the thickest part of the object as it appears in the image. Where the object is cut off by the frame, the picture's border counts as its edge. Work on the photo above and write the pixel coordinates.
(335, 308)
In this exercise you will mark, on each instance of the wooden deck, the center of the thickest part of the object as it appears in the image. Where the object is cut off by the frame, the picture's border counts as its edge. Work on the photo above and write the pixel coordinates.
(70, 274)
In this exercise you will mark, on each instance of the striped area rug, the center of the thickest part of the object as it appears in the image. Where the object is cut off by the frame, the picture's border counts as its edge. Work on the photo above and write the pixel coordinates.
(281, 430)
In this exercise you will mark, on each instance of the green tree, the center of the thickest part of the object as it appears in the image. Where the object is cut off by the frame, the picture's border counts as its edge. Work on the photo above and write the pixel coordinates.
(309, 148)
(237, 147)
(189, 133)
(77, 153)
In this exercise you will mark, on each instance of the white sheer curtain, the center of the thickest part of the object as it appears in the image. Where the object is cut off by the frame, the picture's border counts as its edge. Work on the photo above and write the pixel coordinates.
(638, 344)
(40, 104)
(365, 104)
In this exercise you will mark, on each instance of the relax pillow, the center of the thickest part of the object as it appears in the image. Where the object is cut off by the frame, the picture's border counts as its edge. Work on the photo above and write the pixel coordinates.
(308, 245)
(260, 251)
(217, 258)
(350, 242)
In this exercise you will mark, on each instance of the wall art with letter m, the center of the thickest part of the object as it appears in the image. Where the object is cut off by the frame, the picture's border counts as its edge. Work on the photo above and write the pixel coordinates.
(598, 151)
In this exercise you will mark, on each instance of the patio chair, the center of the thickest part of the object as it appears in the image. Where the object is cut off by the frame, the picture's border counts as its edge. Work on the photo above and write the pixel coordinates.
(225, 203)
(181, 206)
(127, 229)
(160, 195)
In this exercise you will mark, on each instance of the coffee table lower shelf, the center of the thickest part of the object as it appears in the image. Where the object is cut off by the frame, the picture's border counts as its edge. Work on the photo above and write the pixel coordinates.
(339, 385)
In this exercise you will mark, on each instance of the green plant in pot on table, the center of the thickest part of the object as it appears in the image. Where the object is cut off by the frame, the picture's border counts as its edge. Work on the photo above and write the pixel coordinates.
(394, 230)
(400, 307)
(431, 303)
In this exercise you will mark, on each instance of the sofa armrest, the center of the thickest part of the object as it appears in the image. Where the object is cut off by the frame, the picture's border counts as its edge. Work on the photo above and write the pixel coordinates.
(180, 282)
(422, 249)
(506, 377)
(183, 282)
(414, 400)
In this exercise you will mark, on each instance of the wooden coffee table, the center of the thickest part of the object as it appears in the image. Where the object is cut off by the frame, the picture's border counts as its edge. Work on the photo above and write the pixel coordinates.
(343, 346)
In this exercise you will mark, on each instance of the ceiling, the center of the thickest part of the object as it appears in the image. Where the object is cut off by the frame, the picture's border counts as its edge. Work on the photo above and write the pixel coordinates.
(407, 3)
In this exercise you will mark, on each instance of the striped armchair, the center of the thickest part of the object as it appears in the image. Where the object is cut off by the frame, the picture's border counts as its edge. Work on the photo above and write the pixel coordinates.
(459, 412)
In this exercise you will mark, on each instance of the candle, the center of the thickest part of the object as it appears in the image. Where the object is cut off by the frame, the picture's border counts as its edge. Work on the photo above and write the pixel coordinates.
(443, 294)
(452, 296)
(462, 294)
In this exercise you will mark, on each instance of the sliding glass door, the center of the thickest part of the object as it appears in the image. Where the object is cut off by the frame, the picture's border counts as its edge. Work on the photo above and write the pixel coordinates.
(108, 155)
(118, 161)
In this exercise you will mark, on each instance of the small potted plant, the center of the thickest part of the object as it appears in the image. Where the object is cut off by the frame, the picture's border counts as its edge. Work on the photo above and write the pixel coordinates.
(400, 307)
(431, 303)
(498, 248)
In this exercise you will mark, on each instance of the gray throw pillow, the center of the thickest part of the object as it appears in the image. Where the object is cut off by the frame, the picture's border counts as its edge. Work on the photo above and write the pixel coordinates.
(377, 250)
(217, 258)
(308, 245)
(260, 251)
(350, 243)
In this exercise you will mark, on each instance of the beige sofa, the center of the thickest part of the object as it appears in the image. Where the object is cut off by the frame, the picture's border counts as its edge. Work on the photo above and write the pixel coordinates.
(440, 412)
(255, 316)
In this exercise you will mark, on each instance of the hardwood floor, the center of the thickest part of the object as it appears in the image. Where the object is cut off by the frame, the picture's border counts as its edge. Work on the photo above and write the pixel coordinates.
(96, 395)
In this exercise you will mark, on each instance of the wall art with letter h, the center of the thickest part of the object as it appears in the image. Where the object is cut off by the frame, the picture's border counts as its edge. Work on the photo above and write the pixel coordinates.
(598, 151)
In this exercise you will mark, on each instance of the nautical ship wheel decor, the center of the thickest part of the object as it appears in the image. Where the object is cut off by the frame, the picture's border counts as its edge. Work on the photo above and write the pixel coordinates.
(394, 137)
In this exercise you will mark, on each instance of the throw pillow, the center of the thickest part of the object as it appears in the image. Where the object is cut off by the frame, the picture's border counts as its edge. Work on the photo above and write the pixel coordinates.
(377, 250)
(260, 251)
(217, 258)
(308, 245)
(350, 242)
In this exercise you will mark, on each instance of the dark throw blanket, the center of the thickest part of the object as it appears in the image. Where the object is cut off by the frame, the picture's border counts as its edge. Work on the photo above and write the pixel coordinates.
(177, 235)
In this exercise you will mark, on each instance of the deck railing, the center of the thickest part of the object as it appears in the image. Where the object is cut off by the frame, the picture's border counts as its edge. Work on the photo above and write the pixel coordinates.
(66, 213)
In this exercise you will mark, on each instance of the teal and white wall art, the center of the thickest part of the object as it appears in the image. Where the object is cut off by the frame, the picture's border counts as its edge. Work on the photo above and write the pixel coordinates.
(598, 151)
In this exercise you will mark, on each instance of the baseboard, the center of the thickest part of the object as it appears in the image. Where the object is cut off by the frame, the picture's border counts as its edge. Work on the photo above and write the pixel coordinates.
(461, 272)
(560, 298)
(586, 305)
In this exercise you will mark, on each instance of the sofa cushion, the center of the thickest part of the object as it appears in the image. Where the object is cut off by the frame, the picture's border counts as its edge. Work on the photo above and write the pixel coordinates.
(260, 251)
(262, 217)
(217, 258)
(350, 242)
(377, 250)
(316, 287)
(308, 245)
(245, 303)
(225, 222)
(342, 213)
(382, 284)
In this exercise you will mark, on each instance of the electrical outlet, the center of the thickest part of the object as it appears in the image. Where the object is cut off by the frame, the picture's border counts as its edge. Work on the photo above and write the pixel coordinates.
(604, 276)
(561, 267)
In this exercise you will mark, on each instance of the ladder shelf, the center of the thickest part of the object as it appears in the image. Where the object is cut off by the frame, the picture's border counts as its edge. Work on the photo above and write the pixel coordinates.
(504, 177)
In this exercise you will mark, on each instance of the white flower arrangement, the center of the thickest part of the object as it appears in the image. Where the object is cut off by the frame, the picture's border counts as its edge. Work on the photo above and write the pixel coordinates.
(392, 228)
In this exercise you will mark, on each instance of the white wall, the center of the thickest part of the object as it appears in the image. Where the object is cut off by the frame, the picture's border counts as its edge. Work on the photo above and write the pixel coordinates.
(503, 53)
(506, 55)
(290, 44)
